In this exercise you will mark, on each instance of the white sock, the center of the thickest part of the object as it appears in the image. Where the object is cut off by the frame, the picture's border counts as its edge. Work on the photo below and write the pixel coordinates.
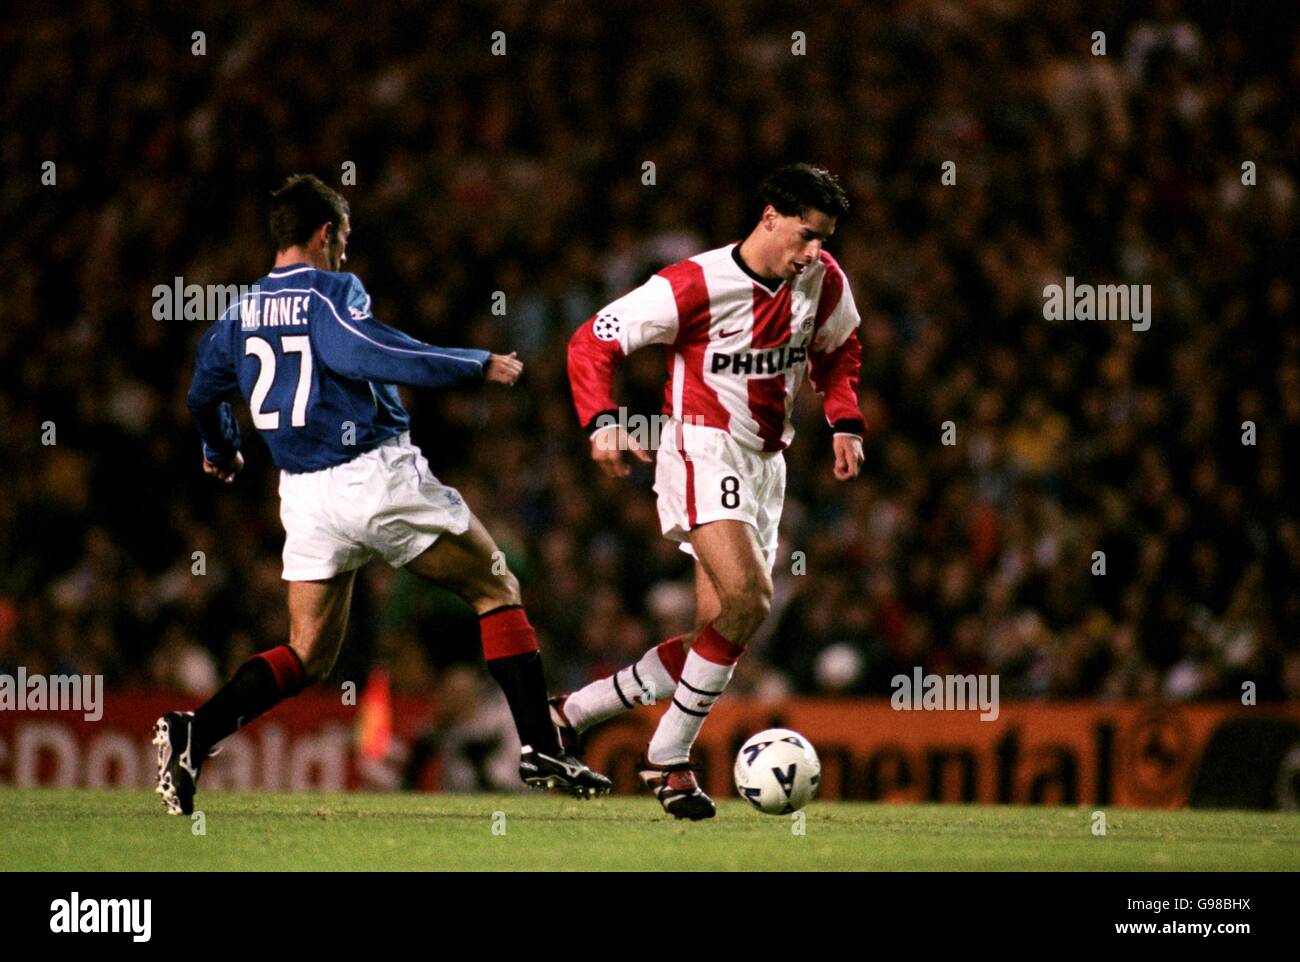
(646, 682)
(704, 679)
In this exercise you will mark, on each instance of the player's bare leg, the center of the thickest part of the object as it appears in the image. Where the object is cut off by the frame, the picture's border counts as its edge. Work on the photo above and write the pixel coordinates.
(729, 554)
(649, 681)
(469, 564)
(463, 563)
(318, 618)
(708, 604)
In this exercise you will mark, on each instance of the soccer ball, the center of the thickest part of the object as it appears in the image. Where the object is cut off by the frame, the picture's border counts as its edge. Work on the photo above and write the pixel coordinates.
(777, 771)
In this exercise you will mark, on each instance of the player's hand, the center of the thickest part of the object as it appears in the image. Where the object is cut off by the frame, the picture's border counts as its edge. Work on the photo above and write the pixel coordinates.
(607, 446)
(504, 368)
(224, 474)
(848, 456)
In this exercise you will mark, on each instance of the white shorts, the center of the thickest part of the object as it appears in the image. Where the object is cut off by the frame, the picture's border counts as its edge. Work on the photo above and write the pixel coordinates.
(385, 501)
(703, 474)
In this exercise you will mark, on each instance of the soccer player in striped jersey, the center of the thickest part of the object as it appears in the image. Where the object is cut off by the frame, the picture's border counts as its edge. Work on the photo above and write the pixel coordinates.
(318, 373)
(740, 325)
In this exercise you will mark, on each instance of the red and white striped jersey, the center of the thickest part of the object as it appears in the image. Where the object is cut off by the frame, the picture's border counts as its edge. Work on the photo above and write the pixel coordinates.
(737, 346)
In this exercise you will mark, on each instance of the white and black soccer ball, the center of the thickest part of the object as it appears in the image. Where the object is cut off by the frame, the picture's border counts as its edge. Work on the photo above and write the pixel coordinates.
(777, 771)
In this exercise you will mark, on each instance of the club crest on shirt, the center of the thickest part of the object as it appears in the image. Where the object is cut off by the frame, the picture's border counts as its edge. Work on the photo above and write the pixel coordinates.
(801, 312)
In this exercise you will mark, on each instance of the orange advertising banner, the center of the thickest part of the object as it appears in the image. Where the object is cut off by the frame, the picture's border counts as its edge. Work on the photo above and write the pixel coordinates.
(1140, 755)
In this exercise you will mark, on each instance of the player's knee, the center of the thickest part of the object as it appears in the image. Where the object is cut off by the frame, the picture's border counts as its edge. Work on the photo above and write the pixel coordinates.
(509, 588)
(502, 589)
(746, 606)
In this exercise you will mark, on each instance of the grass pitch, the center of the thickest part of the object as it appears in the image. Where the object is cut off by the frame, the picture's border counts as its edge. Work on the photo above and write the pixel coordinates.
(126, 830)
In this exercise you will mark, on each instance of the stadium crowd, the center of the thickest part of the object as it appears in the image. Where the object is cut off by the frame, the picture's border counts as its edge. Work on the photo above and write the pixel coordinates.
(524, 173)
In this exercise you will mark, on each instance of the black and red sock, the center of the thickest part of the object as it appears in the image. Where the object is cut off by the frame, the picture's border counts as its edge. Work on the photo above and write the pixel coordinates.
(514, 661)
(261, 683)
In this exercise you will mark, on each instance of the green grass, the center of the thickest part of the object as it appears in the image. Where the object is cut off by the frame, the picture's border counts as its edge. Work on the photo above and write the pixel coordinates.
(52, 829)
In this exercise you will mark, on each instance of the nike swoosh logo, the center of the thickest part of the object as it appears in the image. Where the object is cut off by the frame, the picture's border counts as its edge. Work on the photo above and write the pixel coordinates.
(730, 333)
(571, 770)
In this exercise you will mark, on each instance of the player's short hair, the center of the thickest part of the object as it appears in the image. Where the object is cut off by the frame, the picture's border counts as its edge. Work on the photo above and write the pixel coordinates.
(794, 188)
(302, 203)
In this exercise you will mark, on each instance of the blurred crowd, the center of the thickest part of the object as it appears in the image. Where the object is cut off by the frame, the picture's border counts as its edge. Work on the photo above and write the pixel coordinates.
(524, 173)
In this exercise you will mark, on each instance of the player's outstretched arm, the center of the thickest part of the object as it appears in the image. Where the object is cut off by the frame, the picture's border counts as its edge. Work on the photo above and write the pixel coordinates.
(504, 368)
(364, 349)
(348, 340)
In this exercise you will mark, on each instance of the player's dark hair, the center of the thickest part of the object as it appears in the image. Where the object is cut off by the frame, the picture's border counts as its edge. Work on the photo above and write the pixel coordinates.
(300, 206)
(795, 188)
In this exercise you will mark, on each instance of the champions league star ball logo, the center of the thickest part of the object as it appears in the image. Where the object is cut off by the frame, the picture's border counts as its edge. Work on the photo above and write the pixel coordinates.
(605, 327)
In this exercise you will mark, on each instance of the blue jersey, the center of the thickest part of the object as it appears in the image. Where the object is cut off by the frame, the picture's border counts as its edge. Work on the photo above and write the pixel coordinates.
(317, 370)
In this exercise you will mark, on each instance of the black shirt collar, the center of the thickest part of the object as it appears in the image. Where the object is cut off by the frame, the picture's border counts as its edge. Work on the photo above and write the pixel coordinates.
(770, 284)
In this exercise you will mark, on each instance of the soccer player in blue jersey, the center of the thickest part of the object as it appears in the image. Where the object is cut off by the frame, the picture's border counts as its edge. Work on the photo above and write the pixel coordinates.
(318, 373)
